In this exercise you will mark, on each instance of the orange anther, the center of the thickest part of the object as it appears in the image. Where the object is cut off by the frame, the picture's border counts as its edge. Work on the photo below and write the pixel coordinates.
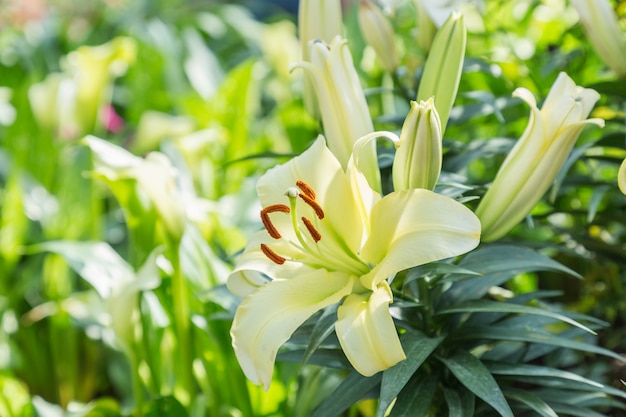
(312, 230)
(273, 256)
(276, 208)
(313, 204)
(305, 188)
(273, 232)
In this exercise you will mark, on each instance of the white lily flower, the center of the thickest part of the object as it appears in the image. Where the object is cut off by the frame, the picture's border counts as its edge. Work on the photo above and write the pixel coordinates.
(621, 177)
(345, 115)
(535, 160)
(602, 27)
(330, 237)
(154, 174)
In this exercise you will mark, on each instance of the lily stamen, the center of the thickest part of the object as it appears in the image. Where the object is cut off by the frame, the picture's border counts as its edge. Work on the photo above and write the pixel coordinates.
(306, 189)
(272, 256)
(312, 230)
(319, 212)
(267, 223)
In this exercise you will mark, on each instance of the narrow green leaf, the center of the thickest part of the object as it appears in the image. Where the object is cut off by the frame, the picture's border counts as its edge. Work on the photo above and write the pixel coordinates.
(486, 306)
(323, 327)
(499, 368)
(532, 401)
(471, 372)
(351, 390)
(165, 406)
(417, 348)
(521, 334)
(453, 401)
(96, 262)
(409, 404)
(436, 268)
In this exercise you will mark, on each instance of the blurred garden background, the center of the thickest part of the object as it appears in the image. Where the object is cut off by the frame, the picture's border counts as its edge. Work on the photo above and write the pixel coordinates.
(132, 136)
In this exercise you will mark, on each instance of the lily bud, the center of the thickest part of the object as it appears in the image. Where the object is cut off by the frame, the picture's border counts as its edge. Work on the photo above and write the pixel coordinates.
(621, 177)
(536, 159)
(417, 163)
(603, 30)
(378, 34)
(443, 68)
(317, 19)
(426, 29)
(345, 115)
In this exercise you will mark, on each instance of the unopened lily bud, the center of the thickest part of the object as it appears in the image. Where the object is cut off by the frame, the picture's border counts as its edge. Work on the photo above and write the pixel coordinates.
(443, 68)
(426, 29)
(317, 20)
(602, 27)
(378, 34)
(344, 110)
(417, 163)
(536, 159)
(621, 177)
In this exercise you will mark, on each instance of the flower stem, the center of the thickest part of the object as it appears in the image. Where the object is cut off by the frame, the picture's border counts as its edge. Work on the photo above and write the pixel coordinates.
(182, 322)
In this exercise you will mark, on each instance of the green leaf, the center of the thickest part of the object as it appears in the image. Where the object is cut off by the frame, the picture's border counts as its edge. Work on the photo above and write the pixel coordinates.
(471, 372)
(500, 368)
(436, 268)
(408, 403)
(532, 401)
(453, 401)
(522, 334)
(417, 348)
(351, 390)
(497, 264)
(486, 306)
(96, 262)
(322, 329)
(165, 406)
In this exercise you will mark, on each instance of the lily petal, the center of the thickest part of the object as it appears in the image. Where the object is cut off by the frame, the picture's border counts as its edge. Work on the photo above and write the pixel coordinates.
(414, 227)
(366, 331)
(621, 177)
(319, 168)
(267, 318)
(254, 269)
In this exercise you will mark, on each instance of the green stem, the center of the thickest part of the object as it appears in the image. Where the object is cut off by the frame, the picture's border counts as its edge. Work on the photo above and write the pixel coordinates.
(137, 387)
(182, 321)
(425, 299)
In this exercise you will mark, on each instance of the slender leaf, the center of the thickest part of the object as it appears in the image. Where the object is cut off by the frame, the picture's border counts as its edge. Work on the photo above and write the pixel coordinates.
(416, 397)
(417, 348)
(471, 372)
(351, 390)
(532, 401)
(531, 336)
(486, 306)
(453, 401)
(323, 327)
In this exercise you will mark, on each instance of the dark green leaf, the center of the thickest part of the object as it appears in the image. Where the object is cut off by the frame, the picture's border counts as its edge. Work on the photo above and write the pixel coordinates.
(522, 334)
(351, 390)
(417, 348)
(436, 268)
(165, 406)
(453, 401)
(416, 397)
(471, 372)
(323, 327)
(487, 306)
(532, 401)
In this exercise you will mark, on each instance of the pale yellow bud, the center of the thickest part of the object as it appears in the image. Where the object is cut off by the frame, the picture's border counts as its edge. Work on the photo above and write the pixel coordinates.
(417, 163)
(536, 159)
(379, 34)
(621, 177)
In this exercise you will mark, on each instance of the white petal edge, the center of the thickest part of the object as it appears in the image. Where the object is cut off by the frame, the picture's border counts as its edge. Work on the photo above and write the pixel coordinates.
(367, 333)
(267, 318)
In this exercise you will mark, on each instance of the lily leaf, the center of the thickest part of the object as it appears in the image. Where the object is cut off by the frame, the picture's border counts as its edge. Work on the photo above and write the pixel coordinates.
(352, 389)
(417, 348)
(410, 405)
(532, 401)
(472, 373)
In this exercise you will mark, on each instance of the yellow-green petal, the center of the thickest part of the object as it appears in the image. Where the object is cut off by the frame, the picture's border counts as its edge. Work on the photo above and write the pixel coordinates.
(414, 227)
(366, 331)
(621, 177)
(267, 318)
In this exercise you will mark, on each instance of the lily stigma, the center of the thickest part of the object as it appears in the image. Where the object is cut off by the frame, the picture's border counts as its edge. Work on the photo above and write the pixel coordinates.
(329, 238)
